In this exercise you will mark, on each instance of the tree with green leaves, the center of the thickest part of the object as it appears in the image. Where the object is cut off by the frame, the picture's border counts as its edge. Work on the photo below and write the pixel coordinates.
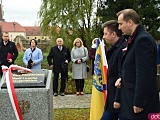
(74, 17)
(149, 11)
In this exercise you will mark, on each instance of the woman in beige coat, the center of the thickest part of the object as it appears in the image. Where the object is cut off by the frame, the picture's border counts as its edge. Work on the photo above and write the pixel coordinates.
(79, 55)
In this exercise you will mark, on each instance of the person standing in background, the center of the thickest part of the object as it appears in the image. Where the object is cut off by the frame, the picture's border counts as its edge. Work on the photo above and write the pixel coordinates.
(92, 52)
(139, 89)
(8, 51)
(33, 56)
(58, 59)
(79, 56)
(113, 36)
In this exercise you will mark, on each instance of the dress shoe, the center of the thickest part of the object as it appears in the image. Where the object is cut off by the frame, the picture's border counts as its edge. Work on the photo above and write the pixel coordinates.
(55, 94)
(62, 94)
(77, 93)
(82, 93)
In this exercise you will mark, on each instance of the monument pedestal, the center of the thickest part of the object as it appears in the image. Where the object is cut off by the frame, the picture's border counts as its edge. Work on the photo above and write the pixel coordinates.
(35, 103)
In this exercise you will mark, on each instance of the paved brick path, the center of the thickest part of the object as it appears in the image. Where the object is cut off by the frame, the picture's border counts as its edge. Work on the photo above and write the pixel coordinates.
(72, 101)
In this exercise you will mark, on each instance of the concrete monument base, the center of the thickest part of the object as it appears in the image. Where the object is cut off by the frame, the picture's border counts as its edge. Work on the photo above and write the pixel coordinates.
(35, 103)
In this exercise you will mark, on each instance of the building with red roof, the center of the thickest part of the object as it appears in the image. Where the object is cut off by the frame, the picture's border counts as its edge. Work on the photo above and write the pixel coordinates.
(34, 32)
(13, 28)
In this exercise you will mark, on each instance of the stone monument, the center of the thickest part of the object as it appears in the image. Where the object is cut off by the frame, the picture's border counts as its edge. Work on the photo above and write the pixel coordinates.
(34, 94)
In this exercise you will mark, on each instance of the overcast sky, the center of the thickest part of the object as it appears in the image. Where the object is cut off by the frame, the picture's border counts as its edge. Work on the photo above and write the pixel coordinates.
(22, 11)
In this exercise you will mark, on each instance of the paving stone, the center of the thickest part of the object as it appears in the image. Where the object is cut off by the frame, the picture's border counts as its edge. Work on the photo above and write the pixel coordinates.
(72, 101)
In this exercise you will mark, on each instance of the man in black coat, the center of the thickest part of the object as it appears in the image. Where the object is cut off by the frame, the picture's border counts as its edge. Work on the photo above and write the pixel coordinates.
(8, 51)
(58, 59)
(113, 36)
(139, 89)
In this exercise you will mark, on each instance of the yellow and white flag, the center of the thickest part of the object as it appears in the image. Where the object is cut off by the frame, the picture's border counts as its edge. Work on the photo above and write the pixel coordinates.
(99, 86)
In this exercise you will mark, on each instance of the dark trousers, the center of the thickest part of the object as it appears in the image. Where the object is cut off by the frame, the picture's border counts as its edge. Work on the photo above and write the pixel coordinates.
(107, 115)
(1, 73)
(128, 119)
(55, 82)
(79, 85)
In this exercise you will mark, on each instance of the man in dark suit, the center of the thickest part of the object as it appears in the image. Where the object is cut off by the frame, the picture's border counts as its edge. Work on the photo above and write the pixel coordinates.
(8, 51)
(139, 89)
(58, 59)
(113, 36)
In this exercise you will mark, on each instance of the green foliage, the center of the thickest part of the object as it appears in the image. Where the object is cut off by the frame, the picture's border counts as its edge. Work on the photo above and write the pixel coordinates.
(74, 15)
(85, 17)
(71, 114)
(148, 10)
(19, 60)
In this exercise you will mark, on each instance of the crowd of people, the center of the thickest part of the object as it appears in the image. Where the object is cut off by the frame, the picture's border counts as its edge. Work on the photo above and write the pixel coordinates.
(132, 89)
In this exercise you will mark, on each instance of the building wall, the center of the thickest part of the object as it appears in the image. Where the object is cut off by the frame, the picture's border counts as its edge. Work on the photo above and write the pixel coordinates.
(38, 37)
(12, 35)
(41, 44)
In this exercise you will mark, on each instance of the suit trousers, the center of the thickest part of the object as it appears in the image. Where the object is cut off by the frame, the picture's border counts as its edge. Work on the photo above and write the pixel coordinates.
(107, 115)
(79, 85)
(55, 82)
(1, 73)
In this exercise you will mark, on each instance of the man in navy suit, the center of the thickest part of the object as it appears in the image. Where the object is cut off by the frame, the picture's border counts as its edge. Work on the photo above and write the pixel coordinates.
(113, 36)
(139, 89)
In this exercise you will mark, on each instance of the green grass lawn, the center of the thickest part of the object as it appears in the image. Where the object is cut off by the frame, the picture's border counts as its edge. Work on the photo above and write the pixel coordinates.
(71, 114)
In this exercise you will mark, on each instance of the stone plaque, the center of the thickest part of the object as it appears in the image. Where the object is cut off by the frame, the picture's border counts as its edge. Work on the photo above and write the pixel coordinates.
(36, 103)
(37, 78)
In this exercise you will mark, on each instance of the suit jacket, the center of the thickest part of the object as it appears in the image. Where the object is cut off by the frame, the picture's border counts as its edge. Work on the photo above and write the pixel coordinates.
(139, 76)
(4, 50)
(57, 58)
(114, 59)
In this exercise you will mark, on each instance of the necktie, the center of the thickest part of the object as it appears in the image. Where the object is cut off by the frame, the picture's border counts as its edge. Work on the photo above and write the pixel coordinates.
(5, 43)
(60, 48)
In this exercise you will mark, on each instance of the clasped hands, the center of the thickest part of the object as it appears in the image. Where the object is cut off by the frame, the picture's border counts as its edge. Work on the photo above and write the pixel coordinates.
(79, 61)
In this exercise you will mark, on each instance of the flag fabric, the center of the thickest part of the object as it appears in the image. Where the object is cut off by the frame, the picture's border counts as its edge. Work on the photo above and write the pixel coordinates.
(10, 87)
(99, 86)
